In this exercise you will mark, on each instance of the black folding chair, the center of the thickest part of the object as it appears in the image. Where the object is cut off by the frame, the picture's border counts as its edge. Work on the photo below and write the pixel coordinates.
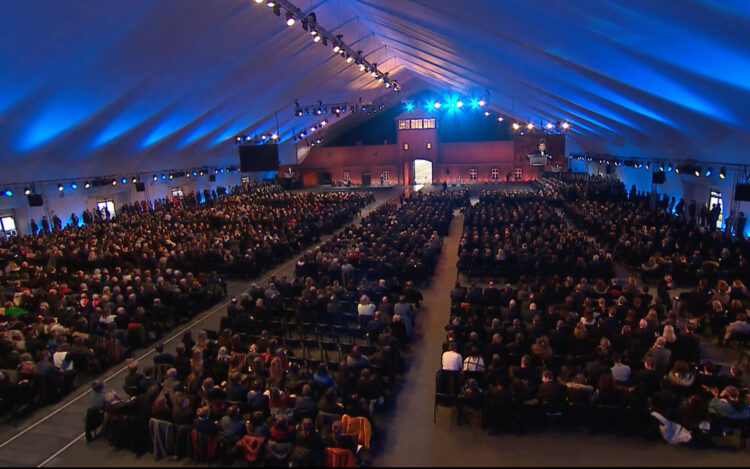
(447, 386)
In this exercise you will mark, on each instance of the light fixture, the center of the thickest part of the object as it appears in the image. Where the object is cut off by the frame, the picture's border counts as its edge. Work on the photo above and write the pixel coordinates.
(529, 126)
(270, 4)
(709, 171)
(482, 103)
(500, 119)
(86, 185)
(274, 136)
(154, 177)
(323, 123)
(171, 176)
(380, 79)
(349, 59)
(60, 187)
(124, 181)
(114, 182)
(697, 172)
(722, 173)
(676, 170)
(436, 105)
(362, 67)
(565, 125)
(459, 104)
(550, 125)
(316, 38)
(258, 1)
(337, 43)
(647, 165)
(187, 175)
(516, 126)
(74, 186)
(135, 180)
(670, 168)
(26, 191)
(8, 193)
(289, 18)
(486, 113)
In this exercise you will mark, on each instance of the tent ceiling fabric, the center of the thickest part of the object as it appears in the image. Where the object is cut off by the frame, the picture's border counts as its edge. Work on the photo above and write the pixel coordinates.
(106, 87)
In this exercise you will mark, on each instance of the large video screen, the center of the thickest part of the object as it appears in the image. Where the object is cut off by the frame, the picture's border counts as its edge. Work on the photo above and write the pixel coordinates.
(259, 157)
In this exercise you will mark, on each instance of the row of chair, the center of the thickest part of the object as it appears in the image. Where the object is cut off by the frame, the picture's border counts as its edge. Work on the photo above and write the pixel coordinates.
(520, 417)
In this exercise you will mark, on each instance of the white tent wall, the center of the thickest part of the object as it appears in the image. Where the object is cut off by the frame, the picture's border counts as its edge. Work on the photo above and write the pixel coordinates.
(676, 184)
(75, 201)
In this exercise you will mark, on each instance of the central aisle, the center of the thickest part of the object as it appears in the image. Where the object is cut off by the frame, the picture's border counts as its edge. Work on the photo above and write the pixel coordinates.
(409, 433)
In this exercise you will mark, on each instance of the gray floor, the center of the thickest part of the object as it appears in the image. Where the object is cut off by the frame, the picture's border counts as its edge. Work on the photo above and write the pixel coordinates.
(405, 436)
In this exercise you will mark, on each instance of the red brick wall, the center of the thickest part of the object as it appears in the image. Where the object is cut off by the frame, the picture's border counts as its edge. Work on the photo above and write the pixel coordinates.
(476, 152)
(360, 155)
(454, 158)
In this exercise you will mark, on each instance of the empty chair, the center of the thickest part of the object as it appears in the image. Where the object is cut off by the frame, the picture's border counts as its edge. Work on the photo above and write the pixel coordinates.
(331, 350)
(447, 386)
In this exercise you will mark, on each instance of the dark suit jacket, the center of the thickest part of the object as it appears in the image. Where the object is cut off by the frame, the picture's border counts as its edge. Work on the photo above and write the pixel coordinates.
(550, 393)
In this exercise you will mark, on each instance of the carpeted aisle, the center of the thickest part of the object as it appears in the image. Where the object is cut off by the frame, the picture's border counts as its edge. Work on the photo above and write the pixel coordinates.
(409, 437)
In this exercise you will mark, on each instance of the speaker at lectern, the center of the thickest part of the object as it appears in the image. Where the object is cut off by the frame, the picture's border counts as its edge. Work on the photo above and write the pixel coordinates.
(537, 159)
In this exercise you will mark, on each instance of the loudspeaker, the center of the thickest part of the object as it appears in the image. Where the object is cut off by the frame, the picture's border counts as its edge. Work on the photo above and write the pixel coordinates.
(658, 177)
(212, 177)
(742, 192)
(35, 200)
(140, 187)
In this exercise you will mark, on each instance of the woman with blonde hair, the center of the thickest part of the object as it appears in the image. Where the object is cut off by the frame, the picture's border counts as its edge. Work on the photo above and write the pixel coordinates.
(669, 334)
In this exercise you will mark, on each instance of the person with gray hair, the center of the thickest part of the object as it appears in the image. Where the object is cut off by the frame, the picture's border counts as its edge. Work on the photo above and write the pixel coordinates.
(660, 354)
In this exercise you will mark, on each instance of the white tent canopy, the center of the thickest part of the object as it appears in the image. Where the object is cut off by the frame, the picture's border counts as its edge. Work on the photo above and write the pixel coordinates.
(104, 87)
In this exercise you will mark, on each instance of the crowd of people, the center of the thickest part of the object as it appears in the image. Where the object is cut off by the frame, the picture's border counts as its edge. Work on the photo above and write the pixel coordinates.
(299, 366)
(562, 341)
(77, 299)
(507, 234)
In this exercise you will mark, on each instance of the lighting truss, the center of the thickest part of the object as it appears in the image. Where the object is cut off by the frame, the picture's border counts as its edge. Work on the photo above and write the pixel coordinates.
(310, 23)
